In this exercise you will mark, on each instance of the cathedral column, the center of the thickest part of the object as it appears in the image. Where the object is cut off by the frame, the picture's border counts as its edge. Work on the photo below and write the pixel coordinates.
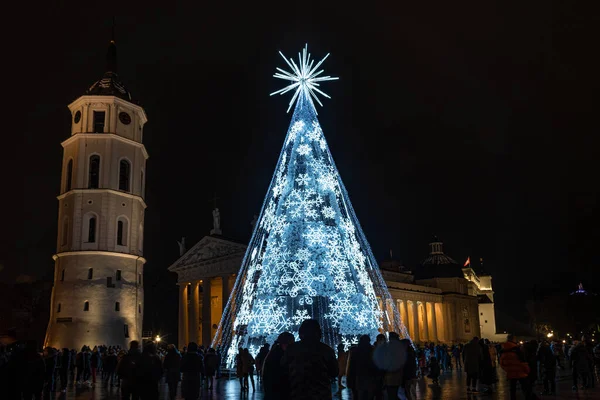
(225, 294)
(206, 317)
(183, 316)
(425, 323)
(195, 314)
(415, 322)
(433, 323)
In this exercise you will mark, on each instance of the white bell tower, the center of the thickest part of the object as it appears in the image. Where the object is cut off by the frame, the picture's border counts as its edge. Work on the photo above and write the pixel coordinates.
(98, 295)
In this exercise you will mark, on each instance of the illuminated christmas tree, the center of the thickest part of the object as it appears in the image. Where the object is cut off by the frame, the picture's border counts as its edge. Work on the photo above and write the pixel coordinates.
(308, 256)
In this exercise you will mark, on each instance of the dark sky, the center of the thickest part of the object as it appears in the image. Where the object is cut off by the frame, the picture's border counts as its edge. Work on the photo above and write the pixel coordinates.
(470, 121)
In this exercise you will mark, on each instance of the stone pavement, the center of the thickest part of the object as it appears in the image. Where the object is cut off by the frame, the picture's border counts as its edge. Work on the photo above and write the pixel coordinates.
(452, 387)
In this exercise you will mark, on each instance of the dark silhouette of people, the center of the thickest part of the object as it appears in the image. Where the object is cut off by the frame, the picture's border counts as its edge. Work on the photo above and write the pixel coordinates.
(311, 364)
(172, 366)
(192, 369)
(275, 379)
(127, 369)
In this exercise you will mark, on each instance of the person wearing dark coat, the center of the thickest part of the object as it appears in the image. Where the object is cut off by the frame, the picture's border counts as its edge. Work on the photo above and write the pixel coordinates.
(530, 353)
(276, 383)
(311, 364)
(547, 361)
(65, 367)
(150, 372)
(210, 367)
(128, 372)
(110, 366)
(362, 374)
(409, 372)
(486, 368)
(172, 366)
(580, 362)
(26, 371)
(472, 357)
(192, 368)
(79, 365)
(49, 372)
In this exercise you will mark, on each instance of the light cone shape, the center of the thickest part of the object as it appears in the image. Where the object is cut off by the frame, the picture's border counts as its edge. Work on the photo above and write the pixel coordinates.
(308, 257)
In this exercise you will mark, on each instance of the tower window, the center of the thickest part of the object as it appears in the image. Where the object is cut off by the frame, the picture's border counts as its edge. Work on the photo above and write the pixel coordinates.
(58, 308)
(99, 117)
(69, 175)
(140, 279)
(86, 306)
(126, 330)
(118, 274)
(62, 275)
(120, 233)
(94, 172)
(117, 306)
(90, 273)
(124, 171)
(92, 230)
(139, 308)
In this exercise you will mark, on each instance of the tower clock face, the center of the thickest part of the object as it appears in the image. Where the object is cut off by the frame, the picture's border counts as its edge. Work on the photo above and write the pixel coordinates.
(124, 118)
(77, 117)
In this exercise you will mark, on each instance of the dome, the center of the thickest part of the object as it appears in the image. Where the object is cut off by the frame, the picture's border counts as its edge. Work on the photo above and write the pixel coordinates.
(110, 84)
(438, 264)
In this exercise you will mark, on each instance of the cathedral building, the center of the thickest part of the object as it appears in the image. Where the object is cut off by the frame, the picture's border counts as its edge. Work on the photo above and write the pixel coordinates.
(440, 301)
(98, 295)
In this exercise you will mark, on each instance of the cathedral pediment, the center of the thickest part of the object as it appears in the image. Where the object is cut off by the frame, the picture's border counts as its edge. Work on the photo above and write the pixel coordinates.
(211, 256)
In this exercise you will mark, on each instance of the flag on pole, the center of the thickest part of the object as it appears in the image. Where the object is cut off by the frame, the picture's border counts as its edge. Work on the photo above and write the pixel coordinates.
(468, 262)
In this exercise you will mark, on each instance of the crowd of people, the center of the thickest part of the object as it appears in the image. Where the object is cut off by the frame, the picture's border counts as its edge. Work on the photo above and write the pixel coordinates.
(388, 368)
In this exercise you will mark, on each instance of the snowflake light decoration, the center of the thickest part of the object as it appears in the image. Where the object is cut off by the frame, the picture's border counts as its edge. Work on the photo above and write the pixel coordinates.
(305, 78)
(308, 256)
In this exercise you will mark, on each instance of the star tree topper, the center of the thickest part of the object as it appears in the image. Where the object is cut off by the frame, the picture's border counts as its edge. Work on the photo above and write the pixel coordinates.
(304, 78)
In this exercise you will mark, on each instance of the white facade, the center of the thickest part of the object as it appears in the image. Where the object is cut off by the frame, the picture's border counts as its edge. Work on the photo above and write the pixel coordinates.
(98, 294)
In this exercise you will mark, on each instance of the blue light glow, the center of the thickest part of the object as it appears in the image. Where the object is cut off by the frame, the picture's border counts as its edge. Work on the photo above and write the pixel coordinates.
(308, 256)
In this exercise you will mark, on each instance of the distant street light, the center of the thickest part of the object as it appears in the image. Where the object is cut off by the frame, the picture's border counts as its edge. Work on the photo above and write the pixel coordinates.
(550, 334)
(157, 339)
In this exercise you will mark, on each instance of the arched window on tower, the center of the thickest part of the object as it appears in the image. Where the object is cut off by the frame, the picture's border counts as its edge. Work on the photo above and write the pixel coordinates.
(94, 172)
(124, 174)
(69, 177)
(86, 306)
(122, 231)
(58, 308)
(92, 230)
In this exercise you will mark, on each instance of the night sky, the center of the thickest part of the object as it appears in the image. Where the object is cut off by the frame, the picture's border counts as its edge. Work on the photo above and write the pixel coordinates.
(472, 122)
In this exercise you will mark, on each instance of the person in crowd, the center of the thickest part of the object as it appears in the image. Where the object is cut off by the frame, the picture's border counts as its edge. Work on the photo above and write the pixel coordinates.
(457, 357)
(248, 368)
(422, 361)
(94, 363)
(409, 372)
(192, 369)
(363, 375)
(218, 353)
(109, 367)
(87, 365)
(275, 379)
(381, 339)
(472, 359)
(65, 367)
(580, 359)
(172, 366)
(79, 365)
(547, 363)
(150, 372)
(530, 352)
(260, 359)
(434, 370)
(49, 371)
(127, 370)
(513, 362)
(310, 364)
(210, 368)
(26, 371)
(486, 371)
(342, 357)
(241, 369)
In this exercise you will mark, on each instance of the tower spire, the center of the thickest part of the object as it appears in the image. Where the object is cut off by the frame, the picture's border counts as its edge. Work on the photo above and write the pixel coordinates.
(111, 55)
